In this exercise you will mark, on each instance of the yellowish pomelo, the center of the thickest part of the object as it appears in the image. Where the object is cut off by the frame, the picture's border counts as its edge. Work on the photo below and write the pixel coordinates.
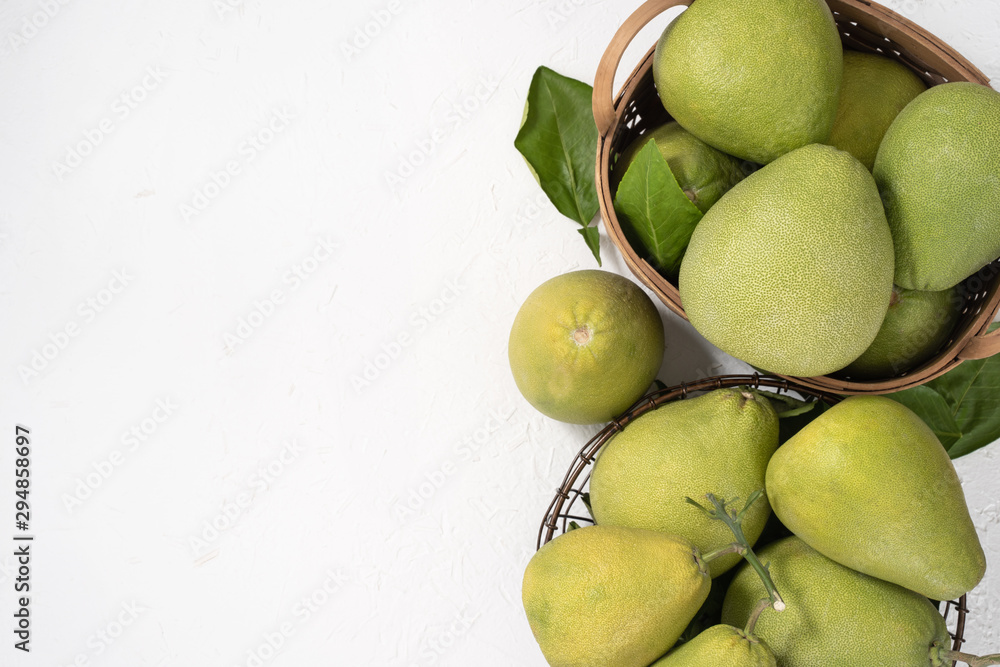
(873, 92)
(720, 646)
(604, 596)
(585, 345)
(717, 443)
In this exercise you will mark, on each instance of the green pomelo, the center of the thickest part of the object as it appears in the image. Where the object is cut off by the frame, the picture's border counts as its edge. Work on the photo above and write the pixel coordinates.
(720, 646)
(753, 78)
(717, 443)
(791, 271)
(873, 92)
(916, 326)
(869, 485)
(604, 596)
(938, 170)
(834, 615)
(702, 172)
(585, 345)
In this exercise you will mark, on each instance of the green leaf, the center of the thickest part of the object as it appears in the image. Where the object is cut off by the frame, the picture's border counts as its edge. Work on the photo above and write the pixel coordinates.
(934, 410)
(650, 201)
(786, 406)
(593, 239)
(558, 139)
(962, 406)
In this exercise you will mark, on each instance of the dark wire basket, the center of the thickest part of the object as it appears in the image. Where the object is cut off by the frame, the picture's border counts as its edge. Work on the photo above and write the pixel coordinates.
(561, 510)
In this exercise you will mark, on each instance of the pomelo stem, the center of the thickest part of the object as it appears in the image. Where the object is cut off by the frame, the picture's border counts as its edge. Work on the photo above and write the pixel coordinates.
(971, 660)
(762, 604)
(734, 520)
(733, 548)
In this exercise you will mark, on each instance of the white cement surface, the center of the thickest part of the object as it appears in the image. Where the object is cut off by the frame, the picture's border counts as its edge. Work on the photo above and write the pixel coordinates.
(208, 376)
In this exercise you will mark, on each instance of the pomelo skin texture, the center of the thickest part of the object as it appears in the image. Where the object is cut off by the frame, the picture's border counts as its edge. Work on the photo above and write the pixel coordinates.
(916, 326)
(753, 78)
(704, 173)
(834, 615)
(720, 646)
(717, 443)
(585, 346)
(938, 170)
(869, 485)
(873, 92)
(603, 596)
(791, 271)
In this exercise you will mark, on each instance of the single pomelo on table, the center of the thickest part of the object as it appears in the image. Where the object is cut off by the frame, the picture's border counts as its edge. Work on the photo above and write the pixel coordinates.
(916, 326)
(753, 78)
(716, 443)
(791, 271)
(702, 172)
(873, 92)
(605, 596)
(585, 346)
(938, 170)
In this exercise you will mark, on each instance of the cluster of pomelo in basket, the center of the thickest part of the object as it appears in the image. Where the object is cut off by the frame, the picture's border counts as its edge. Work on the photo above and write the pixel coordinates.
(844, 202)
(843, 205)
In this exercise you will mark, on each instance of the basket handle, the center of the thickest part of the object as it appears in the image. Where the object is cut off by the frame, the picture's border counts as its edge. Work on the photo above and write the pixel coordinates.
(981, 346)
(604, 94)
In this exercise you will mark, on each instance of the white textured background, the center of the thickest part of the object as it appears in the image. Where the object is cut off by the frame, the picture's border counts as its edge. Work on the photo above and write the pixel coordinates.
(376, 212)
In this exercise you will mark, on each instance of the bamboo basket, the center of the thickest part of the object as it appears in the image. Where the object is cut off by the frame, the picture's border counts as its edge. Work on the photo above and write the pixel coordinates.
(563, 509)
(864, 26)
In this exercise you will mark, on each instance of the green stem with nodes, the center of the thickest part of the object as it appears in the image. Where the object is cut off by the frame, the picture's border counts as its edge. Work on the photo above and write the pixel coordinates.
(734, 520)
(971, 660)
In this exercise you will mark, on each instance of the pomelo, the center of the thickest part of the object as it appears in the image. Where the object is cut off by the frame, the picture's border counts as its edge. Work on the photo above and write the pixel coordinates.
(585, 346)
(873, 92)
(835, 616)
(916, 326)
(791, 271)
(704, 173)
(606, 596)
(753, 78)
(717, 443)
(938, 170)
